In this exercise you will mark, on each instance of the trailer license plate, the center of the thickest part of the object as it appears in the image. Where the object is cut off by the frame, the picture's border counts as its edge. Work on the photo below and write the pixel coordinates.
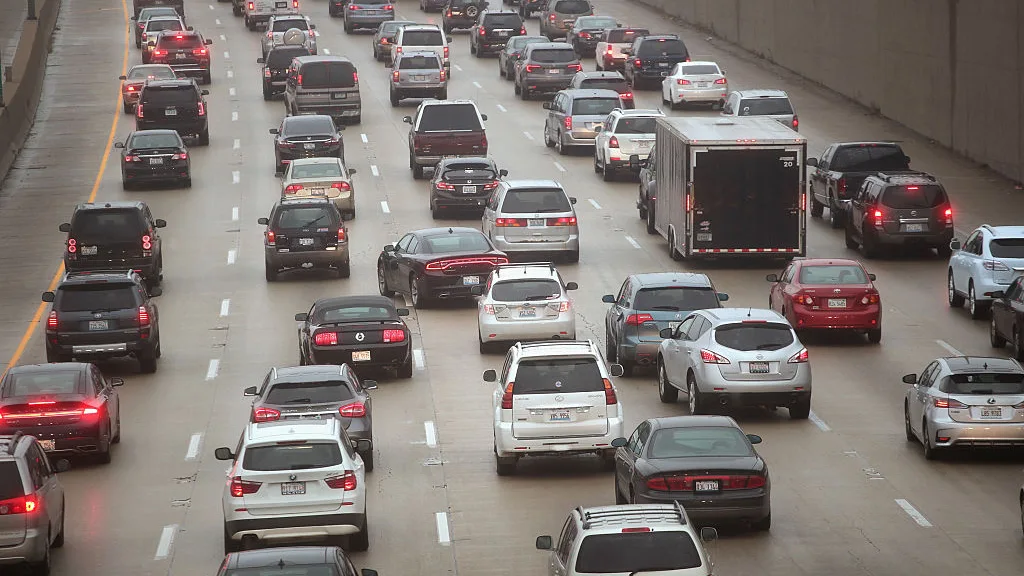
(46, 445)
(560, 416)
(706, 486)
(758, 367)
(837, 302)
(470, 280)
(89, 250)
(913, 227)
(97, 324)
(293, 488)
(991, 413)
(362, 356)
(704, 237)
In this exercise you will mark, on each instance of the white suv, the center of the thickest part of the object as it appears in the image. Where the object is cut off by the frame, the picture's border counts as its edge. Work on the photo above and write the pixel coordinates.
(554, 398)
(524, 302)
(629, 539)
(294, 481)
(625, 133)
(990, 258)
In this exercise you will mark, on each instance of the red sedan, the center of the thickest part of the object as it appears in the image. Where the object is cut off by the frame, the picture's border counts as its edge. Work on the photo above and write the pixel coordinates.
(819, 293)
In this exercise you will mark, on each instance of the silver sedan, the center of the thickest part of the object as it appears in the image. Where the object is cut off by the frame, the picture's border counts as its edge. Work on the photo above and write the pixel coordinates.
(321, 178)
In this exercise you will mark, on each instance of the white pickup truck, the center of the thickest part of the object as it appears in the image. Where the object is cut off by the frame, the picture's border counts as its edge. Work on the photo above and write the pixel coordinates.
(258, 12)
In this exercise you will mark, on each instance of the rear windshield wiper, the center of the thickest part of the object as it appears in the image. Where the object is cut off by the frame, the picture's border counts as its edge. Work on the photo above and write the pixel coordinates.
(299, 401)
(983, 391)
(539, 297)
(546, 210)
(666, 307)
(645, 570)
(313, 221)
(767, 347)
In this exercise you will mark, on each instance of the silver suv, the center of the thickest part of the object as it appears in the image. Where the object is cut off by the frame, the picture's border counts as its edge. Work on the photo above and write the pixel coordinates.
(323, 85)
(576, 116)
(629, 539)
(31, 504)
(772, 103)
(532, 216)
(418, 75)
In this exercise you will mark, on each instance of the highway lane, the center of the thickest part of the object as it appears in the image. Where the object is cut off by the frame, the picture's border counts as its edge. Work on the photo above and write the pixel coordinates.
(835, 488)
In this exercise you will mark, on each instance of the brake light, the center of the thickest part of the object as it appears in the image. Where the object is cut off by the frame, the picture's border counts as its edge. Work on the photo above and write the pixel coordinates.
(506, 397)
(353, 7)
(18, 505)
(949, 403)
(532, 67)
(709, 357)
(683, 82)
(298, 80)
(200, 109)
(638, 319)
(445, 186)
(626, 95)
(576, 67)
(634, 530)
(637, 63)
(398, 50)
(449, 14)
(292, 188)
(241, 487)
(568, 122)
(509, 222)
(796, 121)
(138, 110)
(182, 156)
(563, 221)
(689, 483)
(346, 482)
(842, 186)
(262, 414)
(483, 31)
(584, 34)
(72, 245)
(143, 316)
(803, 201)
(199, 52)
(395, 76)
(392, 336)
(800, 357)
(295, 4)
(491, 185)
(326, 339)
(355, 78)
(147, 242)
(877, 215)
(720, 81)
(51, 321)
(130, 88)
(949, 216)
(870, 298)
(445, 52)
(90, 411)
(522, 31)
(804, 299)
(446, 264)
(689, 201)
(609, 393)
(444, 76)
(353, 410)
(564, 306)
(389, 7)
(342, 236)
(159, 52)
(383, 41)
(489, 309)
(613, 142)
(552, 18)
(271, 238)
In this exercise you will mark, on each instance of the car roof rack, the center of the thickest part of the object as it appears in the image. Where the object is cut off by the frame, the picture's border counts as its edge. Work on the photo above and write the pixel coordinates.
(12, 443)
(556, 343)
(589, 517)
(888, 176)
(548, 265)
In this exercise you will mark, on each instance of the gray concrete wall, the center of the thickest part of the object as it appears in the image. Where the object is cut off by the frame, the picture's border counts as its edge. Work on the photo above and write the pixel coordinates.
(948, 69)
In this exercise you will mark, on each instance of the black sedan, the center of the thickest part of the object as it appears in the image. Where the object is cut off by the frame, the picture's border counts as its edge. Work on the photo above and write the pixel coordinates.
(299, 560)
(706, 463)
(154, 156)
(315, 391)
(437, 263)
(361, 331)
(311, 136)
(70, 407)
(463, 184)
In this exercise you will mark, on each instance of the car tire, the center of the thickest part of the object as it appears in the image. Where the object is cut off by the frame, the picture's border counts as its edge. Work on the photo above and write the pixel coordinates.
(344, 270)
(501, 70)
(943, 250)
(619, 498)
(524, 93)
(667, 393)
(237, 11)
(516, 88)
(930, 452)
(266, 94)
(955, 299)
(650, 221)
(1018, 349)
(817, 208)
(147, 362)
(693, 397)
(52, 357)
(348, 27)
(869, 246)
(116, 438)
(105, 456)
(186, 183)
(559, 147)
(204, 138)
(207, 78)
(229, 544)
(367, 459)
(504, 465)
(418, 300)
(573, 256)
(850, 242)
(269, 272)
(836, 218)
(58, 542)
(417, 172)
(906, 424)
(762, 525)
(977, 309)
(801, 410)
(485, 347)
(473, 50)
(42, 567)
(875, 335)
(127, 107)
(547, 139)
(608, 459)
(405, 370)
(443, 94)
(395, 99)
(627, 367)
(994, 337)
(382, 283)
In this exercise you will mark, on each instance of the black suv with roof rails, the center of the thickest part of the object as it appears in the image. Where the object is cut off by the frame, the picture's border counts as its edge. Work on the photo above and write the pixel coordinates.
(103, 314)
(899, 209)
(114, 236)
(493, 31)
(274, 72)
(305, 233)
(185, 51)
(174, 105)
(651, 58)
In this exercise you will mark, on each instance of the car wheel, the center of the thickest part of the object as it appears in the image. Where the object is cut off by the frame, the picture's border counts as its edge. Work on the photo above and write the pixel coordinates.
(693, 397)
(801, 410)
(762, 525)
(405, 370)
(650, 221)
(572, 256)
(127, 107)
(204, 138)
(930, 452)
(608, 459)
(117, 419)
(835, 215)
(395, 99)
(869, 246)
(417, 172)
(360, 541)
(147, 362)
(547, 139)
(1018, 349)
(977, 309)
(668, 393)
(875, 335)
(104, 457)
(59, 540)
(559, 147)
(367, 459)
(906, 424)
(186, 183)
(504, 465)
(382, 282)
(943, 250)
(269, 271)
(344, 270)
(229, 544)
(418, 299)
(516, 88)
(955, 299)
(610, 350)
(619, 498)
(994, 337)
(851, 243)
(42, 567)
(501, 70)
(817, 208)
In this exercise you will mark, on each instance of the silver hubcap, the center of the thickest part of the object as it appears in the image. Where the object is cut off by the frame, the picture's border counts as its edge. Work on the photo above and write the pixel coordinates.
(662, 386)
(952, 293)
(691, 396)
(970, 298)
(380, 280)
(415, 292)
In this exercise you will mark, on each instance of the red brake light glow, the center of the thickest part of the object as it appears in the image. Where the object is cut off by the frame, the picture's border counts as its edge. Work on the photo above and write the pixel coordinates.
(326, 339)
(342, 235)
(392, 336)
(532, 67)
(143, 316)
(18, 505)
(613, 142)
(346, 482)
(563, 221)
(683, 82)
(241, 487)
(446, 264)
(720, 81)
(510, 222)
(709, 357)
(292, 188)
(51, 321)
(576, 67)
(395, 76)
(271, 238)
(353, 410)
(568, 122)
(200, 109)
(689, 483)
(638, 319)
(72, 245)
(796, 122)
(483, 31)
(147, 242)
(878, 217)
(263, 414)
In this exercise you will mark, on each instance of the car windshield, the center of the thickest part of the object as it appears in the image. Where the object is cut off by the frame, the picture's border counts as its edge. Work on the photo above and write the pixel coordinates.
(308, 126)
(832, 274)
(10, 480)
(155, 25)
(748, 336)
(625, 36)
(95, 297)
(91, 227)
(983, 384)
(285, 25)
(617, 84)
(336, 74)
(148, 13)
(636, 126)
(662, 48)
(422, 38)
(572, 7)
(869, 158)
(675, 299)
(525, 290)
(152, 73)
(292, 456)
(317, 170)
(354, 314)
(309, 392)
(553, 56)
(558, 376)
(503, 21)
(419, 63)
(697, 442)
(1007, 248)
(167, 140)
(281, 58)
(43, 383)
(914, 197)
(637, 551)
(304, 217)
(535, 200)
(595, 23)
(175, 42)
(765, 107)
(290, 570)
(457, 242)
(449, 118)
(698, 69)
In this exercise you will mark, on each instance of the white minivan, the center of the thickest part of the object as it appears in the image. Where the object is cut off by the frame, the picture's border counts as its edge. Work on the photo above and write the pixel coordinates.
(423, 38)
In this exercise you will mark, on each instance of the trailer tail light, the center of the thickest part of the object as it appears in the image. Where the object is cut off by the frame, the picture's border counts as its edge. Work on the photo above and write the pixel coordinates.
(506, 397)
(241, 487)
(709, 357)
(800, 357)
(638, 319)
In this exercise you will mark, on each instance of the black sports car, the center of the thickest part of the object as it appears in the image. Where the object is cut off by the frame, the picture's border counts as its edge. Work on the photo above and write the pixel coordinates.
(361, 331)
(437, 263)
(706, 463)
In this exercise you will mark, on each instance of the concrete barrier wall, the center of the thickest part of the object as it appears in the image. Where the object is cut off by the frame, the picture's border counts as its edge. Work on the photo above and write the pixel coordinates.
(948, 69)
(21, 95)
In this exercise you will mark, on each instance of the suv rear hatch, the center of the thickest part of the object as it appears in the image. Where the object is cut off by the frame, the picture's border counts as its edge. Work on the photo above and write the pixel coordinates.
(556, 63)
(110, 235)
(498, 28)
(560, 397)
(328, 85)
(104, 312)
(777, 107)
(423, 41)
(758, 350)
(295, 399)
(524, 300)
(13, 517)
(181, 52)
(279, 59)
(589, 113)
(301, 477)
(1009, 255)
(915, 209)
(170, 105)
(565, 12)
(986, 397)
(469, 181)
(421, 70)
(618, 39)
(663, 307)
(452, 129)
(306, 228)
(536, 215)
(635, 135)
(639, 550)
(661, 55)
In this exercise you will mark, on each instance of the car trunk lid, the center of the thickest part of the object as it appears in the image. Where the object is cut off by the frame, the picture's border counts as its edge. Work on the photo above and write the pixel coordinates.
(559, 398)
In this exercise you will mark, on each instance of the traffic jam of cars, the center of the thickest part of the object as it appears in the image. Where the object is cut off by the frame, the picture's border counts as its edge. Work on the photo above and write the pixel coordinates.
(727, 194)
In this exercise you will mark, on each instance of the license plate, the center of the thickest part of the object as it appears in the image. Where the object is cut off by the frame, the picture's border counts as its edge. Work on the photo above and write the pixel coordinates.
(529, 313)
(179, 56)
(46, 445)
(156, 161)
(502, 32)
(97, 324)
(309, 146)
(339, 95)
(362, 356)
(470, 280)
(280, 4)
(536, 223)
(913, 227)
(419, 78)
(702, 84)
(316, 191)
(703, 236)
(469, 189)
(305, 241)
(89, 250)
(293, 488)
(644, 145)
(171, 112)
(758, 367)
(987, 412)
(705, 486)
(560, 416)
(837, 302)
(555, 71)
(663, 64)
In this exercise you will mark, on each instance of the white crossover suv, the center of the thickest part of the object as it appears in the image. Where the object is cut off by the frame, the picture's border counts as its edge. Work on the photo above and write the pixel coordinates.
(625, 133)
(990, 258)
(523, 302)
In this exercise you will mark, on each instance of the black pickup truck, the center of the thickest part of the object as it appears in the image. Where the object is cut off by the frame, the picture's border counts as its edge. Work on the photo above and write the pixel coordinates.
(842, 168)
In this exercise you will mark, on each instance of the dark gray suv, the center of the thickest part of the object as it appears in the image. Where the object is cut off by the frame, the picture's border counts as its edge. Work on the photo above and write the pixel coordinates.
(545, 68)
(900, 209)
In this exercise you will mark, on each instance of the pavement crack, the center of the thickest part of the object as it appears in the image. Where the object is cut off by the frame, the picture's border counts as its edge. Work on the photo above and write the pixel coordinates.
(186, 479)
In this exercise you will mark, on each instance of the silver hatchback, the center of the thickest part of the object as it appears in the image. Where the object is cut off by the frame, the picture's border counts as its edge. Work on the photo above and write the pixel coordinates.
(31, 504)
(532, 216)
(418, 75)
(576, 115)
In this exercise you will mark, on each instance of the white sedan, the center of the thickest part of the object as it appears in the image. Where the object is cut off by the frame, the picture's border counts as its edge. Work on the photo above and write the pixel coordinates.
(321, 178)
(695, 83)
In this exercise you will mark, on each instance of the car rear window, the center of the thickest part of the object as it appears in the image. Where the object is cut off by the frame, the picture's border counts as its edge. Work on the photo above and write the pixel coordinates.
(469, 173)
(525, 290)
(617, 84)
(698, 69)
(318, 170)
(304, 217)
(448, 243)
(748, 336)
(422, 38)
(596, 23)
(520, 42)
(43, 383)
(1007, 248)
(303, 456)
(152, 73)
(553, 56)
(143, 140)
(869, 158)
(355, 313)
(309, 126)
(636, 126)
(95, 297)
(169, 96)
(419, 63)
(338, 74)
(911, 197)
(832, 274)
(174, 42)
(285, 25)
(676, 298)
(594, 106)
(983, 383)
(503, 21)
(158, 25)
(662, 48)
(625, 36)
(573, 7)
(637, 552)
(765, 107)
(391, 28)
(558, 376)
(449, 118)
(291, 570)
(281, 58)
(148, 13)
(91, 227)
(695, 442)
(523, 200)
(10, 480)
(309, 392)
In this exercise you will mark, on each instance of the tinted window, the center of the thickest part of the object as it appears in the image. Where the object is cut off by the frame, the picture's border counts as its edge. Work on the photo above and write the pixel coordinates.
(520, 42)
(165, 140)
(176, 96)
(172, 42)
(458, 242)
(318, 170)
(292, 456)
(503, 21)
(595, 106)
(469, 173)
(158, 25)
(626, 553)
(308, 126)
(100, 226)
(558, 376)
(636, 126)
(696, 442)
(699, 69)
(1007, 248)
(754, 336)
(152, 73)
(390, 28)
(291, 570)
(148, 13)
(536, 200)
(285, 25)
(319, 217)
(572, 7)
(328, 75)
(520, 290)
(595, 23)
(352, 313)
(869, 158)
(621, 36)
(43, 383)
(554, 56)
(10, 480)
(676, 299)
(95, 297)
(765, 107)
(911, 197)
(832, 275)
(605, 84)
(662, 48)
(422, 38)
(281, 58)
(986, 384)
(309, 392)
(419, 63)
(449, 117)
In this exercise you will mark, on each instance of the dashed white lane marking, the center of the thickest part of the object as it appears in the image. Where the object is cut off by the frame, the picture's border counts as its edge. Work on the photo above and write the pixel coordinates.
(819, 422)
(212, 369)
(364, 138)
(594, 203)
(223, 38)
(633, 242)
(528, 135)
(231, 73)
(949, 348)
(217, 20)
(232, 254)
(431, 432)
(457, 67)
(417, 359)
(193, 446)
(163, 547)
(477, 84)
(444, 537)
(237, 144)
(225, 307)
(502, 108)
(374, 170)
(231, 91)
(327, 52)
(913, 513)
(227, 55)
(560, 167)
(234, 116)
(405, 301)
(384, 207)
(234, 213)
(236, 176)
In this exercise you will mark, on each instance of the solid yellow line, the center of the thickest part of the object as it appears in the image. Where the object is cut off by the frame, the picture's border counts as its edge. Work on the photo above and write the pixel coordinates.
(31, 328)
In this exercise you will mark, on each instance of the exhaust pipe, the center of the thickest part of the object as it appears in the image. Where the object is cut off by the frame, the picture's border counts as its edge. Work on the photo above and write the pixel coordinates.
(723, 400)
(250, 542)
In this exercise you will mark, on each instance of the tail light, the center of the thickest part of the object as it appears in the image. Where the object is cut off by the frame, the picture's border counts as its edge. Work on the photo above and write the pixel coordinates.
(576, 67)
(199, 52)
(949, 216)
(609, 393)
(395, 76)
(383, 41)
(446, 264)
(157, 53)
(326, 339)
(444, 76)
(262, 414)
(506, 397)
(584, 34)
(870, 298)
(509, 222)
(353, 7)
(709, 357)
(803, 201)
(877, 215)
(564, 306)
(292, 188)
(841, 184)
(804, 299)
(483, 31)
(271, 238)
(51, 321)
(720, 81)
(389, 7)
(522, 31)
(18, 505)
(138, 110)
(687, 59)
(143, 316)
(132, 159)
(342, 236)
(446, 52)
(355, 77)
(683, 82)
(491, 185)
(392, 336)
(147, 242)
(346, 482)
(552, 18)
(489, 309)
(796, 122)
(295, 4)
(73, 244)
(343, 186)
(445, 186)
(948, 403)
(800, 357)
(181, 156)
(995, 266)
(200, 109)
(638, 319)
(689, 201)
(298, 80)
(613, 142)
(563, 221)
(130, 88)
(637, 63)
(241, 487)
(449, 14)
(568, 122)
(353, 410)
(688, 483)
(626, 95)
(532, 67)
(252, 6)
(90, 411)
(398, 50)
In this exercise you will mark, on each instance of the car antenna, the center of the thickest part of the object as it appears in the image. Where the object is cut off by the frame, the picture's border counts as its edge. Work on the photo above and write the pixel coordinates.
(749, 310)
(450, 231)
(280, 564)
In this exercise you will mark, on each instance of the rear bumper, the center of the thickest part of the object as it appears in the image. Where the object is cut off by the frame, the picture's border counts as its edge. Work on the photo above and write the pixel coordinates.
(545, 84)
(327, 152)
(897, 239)
(190, 70)
(579, 139)
(31, 549)
(561, 327)
(100, 350)
(680, 94)
(381, 355)
(572, 244)
(492, 44)
(642, 352)
(749, 506)
(506, 444)
(857, 320)
(316, 259)
(432, 160)
(446, 287)
(459, 22)
(975, 434)
(284, 528)
(651, 74)
(145, 266)
(82, 438)
(470, 202)
(190, 128)
(365, 20)
(349, 110)
(138, 174)
(743, 399)
(420, 89)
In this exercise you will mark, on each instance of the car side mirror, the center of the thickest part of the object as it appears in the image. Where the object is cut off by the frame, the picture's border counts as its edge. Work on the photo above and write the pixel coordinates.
(250, 391)
(484, 117)
(63, 465)
(261, 60)
(490, 376)
(65, 227)
(403, 311)
(708, 534)
(872, 277)
(189, 29)
(264, 221)
(502, 173)
(156, 291)
(772, 277)
(205, 92)
(117, 381)
(754, 438)
(665, 333)
(160, 223)
(389, 247)
(616, 370)
(48, 296)
(223, 453)
(477, 290)
(544, 543)
(369, 384)
(608, 299)
(998, 294)
(547, 106)
(274, 131)
(572, 199)
(723, 297)
(363, 445)
(910, 379)
(351, 172)
(619, 442)
(312, 26)
(122, 77)
(367, 572)
(955, 244)
(812, 162)
(208, 42)
(407, 119)
(118, 144)
(572, 286)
